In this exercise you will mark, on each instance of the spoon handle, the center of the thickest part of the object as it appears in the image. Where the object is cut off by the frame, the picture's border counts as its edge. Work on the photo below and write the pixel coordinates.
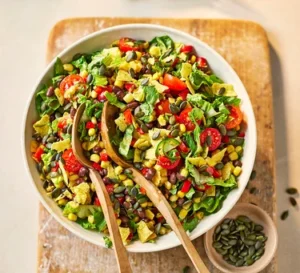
(111, 221)
(168, 213)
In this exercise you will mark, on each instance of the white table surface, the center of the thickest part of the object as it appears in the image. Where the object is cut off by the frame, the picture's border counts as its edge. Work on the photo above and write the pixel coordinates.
(25, 25)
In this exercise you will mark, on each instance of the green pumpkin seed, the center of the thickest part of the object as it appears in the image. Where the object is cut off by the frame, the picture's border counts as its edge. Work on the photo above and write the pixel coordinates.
(226, 221)
(119, 189)
(131, 56)
(251, 237)
(142, 200)
(102, 70)
(258, 245)
(251, 251)
(244, 253)
(144, 81)
(132, 73)
(157, 228)
(239, 141)
(208, 140)
(249, 242)
(225, 226)
(219, 166)
(231, 133)
(139, 114)
(284, 215)
(134, 192)
(225, 238)
(225, 232)
(221, 251)
(144, 128)
(183, 105)
(174, 108)
(232, 242)
(260, 252)
(217, 245)
(221, 91)
(244, 219)
(240, 228)
(203, 168)
(56, 192)
(218, 229)
(227, 247)
(156, 135)
(232, 258)
(239, 263)
(249, 261)
(172, 120)
(224, 242)
(291, 191)
(175, 133)
(222, 129)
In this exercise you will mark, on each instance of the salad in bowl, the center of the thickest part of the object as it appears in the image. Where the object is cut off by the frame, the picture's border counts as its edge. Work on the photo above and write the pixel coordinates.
(180, 124)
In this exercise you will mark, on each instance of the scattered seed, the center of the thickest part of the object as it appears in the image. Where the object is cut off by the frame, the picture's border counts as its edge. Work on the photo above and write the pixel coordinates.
(284, 215)
(186, 269)
(253, 175)
(253, 190)
(291, 191)
(293, 201)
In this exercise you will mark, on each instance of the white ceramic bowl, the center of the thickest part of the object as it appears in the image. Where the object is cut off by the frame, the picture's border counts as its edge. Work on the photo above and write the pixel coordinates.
(220, 67)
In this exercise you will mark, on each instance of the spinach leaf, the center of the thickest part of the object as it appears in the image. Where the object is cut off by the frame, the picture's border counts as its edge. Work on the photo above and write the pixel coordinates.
(191, 224)
(58, 67)
(112, 99)
(125, 143)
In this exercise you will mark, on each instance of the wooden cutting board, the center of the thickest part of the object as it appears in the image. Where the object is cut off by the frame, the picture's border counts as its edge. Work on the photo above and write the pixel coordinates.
(245, 46)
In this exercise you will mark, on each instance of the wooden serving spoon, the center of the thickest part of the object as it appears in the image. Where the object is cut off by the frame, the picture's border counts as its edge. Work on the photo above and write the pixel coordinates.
(108, 129)
(106, 204)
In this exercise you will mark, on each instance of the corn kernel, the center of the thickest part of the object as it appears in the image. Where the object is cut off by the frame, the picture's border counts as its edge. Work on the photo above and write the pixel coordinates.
(200, 215)
(128, 183)
(119, 222)
(174, 205)
(122, 177)
(33, 146)
(156, 76)
(158, 167)
(184, 172)
(147, 163)
(68, 67)
(149, 204)
(193, 59)
(162, 121)
(104, 164)
(84, 73)
(162, 231)
(164, 179)
(136, 219)
(93, 187)
(182, 128)
(161, 80)
(149, 214)
(72, 217)
(230, 149)
(62, 202)
(94, 94)
(138, 55)
(168, 185)
(233, 156)
(150, 225)
(95, 158)
(180, 194)
(73, 177)
(173, 198)
(238, 149)
(91, 132)
(144, 205)
(171, 100)
(237, 171)
(91, 219)
(94, 120)
(118, 170)
(146, 45)
(119, 83)
(182, 214)
(101, 144)
(154, 51)
(197, 199)
(128, 97)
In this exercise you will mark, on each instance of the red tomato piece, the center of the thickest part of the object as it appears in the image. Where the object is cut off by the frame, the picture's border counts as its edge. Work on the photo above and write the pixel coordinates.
(225, 139)
(215, 138)
(69, 81)
(38, 153)
(183, 94)
(110, 188)
(174, 83)
(140, 131)
(89, 125)
(54, 169)
(183, 148)
(96, 166)
(144, 171)
(71, 163)
(186, 186)
(176, 61)
(128, 116)
(201, 62)
(121, 199)
(185, 119)
(127, 44)
(235, 117)
(129, 86)
(241, 134)
(166, 163)
(97, 202)
(142, 190)
(212, 171)
(133, 141)
(204, 187)
(61, 124)
(186, 48)
(163, 107)
(104, 157)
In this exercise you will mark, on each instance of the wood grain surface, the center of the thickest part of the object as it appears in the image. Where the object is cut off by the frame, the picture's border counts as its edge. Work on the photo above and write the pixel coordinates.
(244, 45)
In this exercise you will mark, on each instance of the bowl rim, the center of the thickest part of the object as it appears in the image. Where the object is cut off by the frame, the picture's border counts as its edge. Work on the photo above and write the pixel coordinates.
(195, 41)
(256, 267)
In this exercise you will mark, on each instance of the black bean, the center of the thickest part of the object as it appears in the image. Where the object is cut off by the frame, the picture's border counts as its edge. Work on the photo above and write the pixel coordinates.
(238, 163)
(116, 89)
(72, 112)
(173, 178)
(180, 177)
(133, 105)
(120, 95)
(149, 125)
(103, 172)
(83, 171)
(124, 219)
(50, 91)
(106, 180)
(150, 173)
(96, 150)
(127, 205)
(180, 202)
(141, 213)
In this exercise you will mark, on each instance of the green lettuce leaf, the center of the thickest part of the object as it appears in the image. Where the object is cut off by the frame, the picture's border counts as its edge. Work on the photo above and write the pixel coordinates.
(112, 99)
(148, 106)
(81, 63)
(58, 67)
(125, 143)
(191, 224)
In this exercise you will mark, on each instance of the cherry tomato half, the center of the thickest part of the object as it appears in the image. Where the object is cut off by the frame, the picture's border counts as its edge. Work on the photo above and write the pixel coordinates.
(127, 44)
(166, 163)
(215, 138)
(185, 119)
(186, 48)
(110, 188)
(69, 81)
(201, 62)
(183, 148)
(174, 83)
(183, 94)
(71, 163)
(235, 117)
(163, 107)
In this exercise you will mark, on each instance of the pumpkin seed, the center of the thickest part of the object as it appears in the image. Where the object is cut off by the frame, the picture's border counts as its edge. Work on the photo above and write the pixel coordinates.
(174, 108)
(222, 129)
(144, 81)
(251, 237)
(183, 105)
(232, 258)
(203, 168)
(291, 191)
(172, 120)
(231, 133)
(258, 228)
(208, 140)
(218, 229)
(249, 261)
(156, 135)
(175, 133)
(232, 242)
(258, 245)
(239, 263)
(284, 215)
(119, 189)
(56, 192)
(225, 226)
(225, 232)
(139, 114)
(217, 245)
(221, 91)
(293, 201)
(249, 242)
(219, 166)
(226, 221)
(144, 128)
(240, 228)
(239, 141)
(131, 56)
